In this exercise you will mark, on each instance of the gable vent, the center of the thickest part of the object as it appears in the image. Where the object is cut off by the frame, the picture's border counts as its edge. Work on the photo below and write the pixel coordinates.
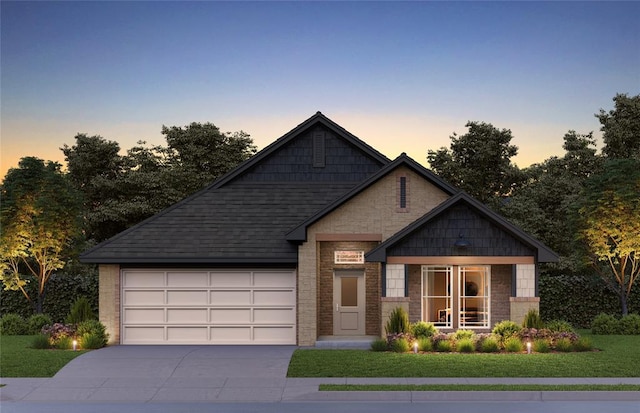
(319, 152)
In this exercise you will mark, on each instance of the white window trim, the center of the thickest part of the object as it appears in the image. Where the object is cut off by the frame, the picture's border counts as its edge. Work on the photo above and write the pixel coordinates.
(448, 323)
(487, 298)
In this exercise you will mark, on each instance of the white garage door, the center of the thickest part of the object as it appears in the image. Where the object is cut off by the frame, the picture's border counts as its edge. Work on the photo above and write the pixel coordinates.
(208, 307)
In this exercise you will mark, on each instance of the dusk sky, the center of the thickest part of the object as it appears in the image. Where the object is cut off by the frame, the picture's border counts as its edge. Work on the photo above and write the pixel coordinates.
(402, 76)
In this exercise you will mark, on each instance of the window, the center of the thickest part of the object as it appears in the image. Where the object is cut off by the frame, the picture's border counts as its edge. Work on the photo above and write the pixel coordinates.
(474, 297)
(348, 257)
(402, 193)
(436, 295)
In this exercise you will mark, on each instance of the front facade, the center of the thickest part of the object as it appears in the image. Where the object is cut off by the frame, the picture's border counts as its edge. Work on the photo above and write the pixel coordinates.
(316, 235)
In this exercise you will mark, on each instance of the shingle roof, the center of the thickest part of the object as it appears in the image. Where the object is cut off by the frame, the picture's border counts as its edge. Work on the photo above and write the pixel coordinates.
(242, 218)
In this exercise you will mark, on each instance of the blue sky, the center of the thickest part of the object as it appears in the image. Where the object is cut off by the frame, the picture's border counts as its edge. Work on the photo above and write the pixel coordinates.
(403, 76)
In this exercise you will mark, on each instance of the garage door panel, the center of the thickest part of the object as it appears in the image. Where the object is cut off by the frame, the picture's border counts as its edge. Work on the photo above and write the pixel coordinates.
(231, 297)
(188, 297)
(143, 297)
(273, 297)
(144, 316)
(231, 316)
(187, 315)
(187, 334)
(192, 279)
(179, 306)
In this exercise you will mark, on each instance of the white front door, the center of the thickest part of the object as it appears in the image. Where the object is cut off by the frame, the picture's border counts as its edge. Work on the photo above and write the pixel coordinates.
(348, 303)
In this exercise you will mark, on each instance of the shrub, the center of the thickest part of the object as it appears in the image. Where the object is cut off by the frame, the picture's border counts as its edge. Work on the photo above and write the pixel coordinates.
(398, 322)
(532, 320)
(80, 311)
(40, 342)
(466, 345)
(94, 328)
(513, 345)
(489, 345)
(379, 345)
(425, 344)
(64, 343)
(443, 346)
(91, 341)
(582, 344)
(36, 322)
(422, 329)
(564, 345)
(560, 326)
(58, 331)
(13, 325)
(505, 329)
(541, 346)
(605, 324)
(400, 345)
(460, 334)
(630, 324)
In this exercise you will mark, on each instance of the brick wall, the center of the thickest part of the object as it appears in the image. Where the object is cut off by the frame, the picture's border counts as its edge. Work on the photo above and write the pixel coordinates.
(500, 293)
(109, 300)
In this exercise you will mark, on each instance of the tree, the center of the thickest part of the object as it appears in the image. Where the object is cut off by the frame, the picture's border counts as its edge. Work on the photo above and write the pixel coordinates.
(479, 162)
(621, 128)
(608, 224)
(40, 221)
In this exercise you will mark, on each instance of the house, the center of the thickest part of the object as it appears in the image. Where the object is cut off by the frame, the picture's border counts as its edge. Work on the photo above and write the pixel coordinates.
(316, 235)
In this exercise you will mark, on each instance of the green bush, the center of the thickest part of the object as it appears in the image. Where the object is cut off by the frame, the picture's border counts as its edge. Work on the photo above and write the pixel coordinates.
(443, 346)
(513, 345)
(422, 329)
(460, 334)
(505, 329)
(13, 325)
(541, 346)
(400, 345)
(583, 344)
(80, 311)
(564, 345)
(629, 324)
(532, 320)
(91, 341)
(36, 322)
(425, 344)
(40, 342)
(379, 345)
(64, 343)
(605, 324)
(489, 345)
(560, 326)
(398, 322)
(93, 328)
(465, 345)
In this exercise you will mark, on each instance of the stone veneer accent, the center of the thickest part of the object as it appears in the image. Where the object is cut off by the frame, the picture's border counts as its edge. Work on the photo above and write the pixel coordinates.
(109, 301)
(520, 306)
(388, 304)
(525, 280)
(325, 285)
(373, 211)
(395, 280)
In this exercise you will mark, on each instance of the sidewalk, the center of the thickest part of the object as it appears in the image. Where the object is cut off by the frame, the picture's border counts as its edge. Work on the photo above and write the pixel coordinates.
(247, 389)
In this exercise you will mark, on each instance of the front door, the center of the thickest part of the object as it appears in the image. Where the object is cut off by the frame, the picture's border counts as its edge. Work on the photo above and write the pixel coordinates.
(348, 303)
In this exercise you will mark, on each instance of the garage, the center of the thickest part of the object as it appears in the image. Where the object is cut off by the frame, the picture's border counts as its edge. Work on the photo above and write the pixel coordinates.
(208, 306)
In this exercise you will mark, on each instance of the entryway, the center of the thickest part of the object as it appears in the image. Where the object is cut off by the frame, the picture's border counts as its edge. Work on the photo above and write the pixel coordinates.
(349, 303)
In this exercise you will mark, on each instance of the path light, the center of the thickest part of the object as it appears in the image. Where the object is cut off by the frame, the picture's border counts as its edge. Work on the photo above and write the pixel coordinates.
(75, 345)
(528, 347)
(415, 347)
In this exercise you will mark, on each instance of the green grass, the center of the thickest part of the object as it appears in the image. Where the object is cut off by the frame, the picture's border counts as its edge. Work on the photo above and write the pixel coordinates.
(619, 356)
(479, 387)
(18, 359)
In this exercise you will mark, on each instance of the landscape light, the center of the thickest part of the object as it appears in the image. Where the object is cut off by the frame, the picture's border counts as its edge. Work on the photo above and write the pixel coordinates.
(75, 345)
(528, 347)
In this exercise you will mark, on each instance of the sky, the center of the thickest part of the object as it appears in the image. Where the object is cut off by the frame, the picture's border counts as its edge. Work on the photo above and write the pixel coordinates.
(402, 76)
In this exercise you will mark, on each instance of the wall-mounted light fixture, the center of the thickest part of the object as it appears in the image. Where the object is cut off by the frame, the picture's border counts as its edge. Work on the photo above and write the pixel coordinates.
(461, 242)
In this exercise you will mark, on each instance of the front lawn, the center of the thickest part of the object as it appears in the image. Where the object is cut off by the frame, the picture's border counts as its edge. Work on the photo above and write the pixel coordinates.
(619, 356)
(18, 359)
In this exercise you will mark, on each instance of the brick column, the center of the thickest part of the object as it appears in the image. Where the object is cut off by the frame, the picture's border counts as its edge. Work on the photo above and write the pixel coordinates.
(109, 300)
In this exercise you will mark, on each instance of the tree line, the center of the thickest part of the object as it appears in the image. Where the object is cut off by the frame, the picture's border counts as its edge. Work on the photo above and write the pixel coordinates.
(585, 205)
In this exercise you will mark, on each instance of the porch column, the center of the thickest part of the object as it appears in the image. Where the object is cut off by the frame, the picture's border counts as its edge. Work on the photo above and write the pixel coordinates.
(525, 289)
(395, 292)
(109, 300)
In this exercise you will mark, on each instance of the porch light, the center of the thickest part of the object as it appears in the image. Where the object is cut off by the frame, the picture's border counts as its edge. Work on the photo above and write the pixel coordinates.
(461, 242)
(528, 347)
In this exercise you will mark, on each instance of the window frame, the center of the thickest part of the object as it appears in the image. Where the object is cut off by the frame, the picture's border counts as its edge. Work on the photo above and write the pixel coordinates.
(445, 315)
(482, 313)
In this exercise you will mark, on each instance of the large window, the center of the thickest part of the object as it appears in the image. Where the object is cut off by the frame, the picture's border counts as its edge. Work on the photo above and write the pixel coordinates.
(436, 295)
(473, 293)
